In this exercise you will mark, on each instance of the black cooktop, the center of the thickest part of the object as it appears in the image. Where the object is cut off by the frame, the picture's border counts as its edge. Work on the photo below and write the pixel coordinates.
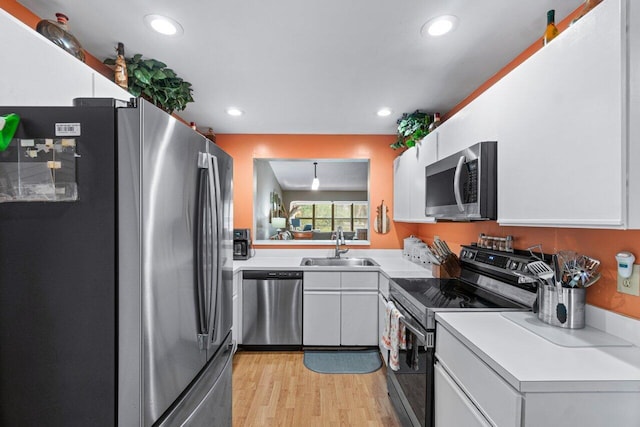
(452, 293)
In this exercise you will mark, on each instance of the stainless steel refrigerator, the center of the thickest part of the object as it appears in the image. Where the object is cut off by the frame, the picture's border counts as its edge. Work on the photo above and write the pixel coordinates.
(116, 308)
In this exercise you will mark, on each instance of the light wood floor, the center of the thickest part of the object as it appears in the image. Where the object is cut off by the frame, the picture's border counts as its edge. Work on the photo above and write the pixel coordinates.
(276, 389)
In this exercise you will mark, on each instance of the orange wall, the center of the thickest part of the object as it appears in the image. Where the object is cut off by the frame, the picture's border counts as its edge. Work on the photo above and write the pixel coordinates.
(600, 244)
(244, 148)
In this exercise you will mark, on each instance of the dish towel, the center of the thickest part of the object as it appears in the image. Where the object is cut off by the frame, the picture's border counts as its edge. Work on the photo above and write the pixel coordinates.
(385, 339)
(396, 338)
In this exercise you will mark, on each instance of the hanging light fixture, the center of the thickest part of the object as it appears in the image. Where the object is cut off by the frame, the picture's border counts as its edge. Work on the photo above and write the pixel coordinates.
(316, 182)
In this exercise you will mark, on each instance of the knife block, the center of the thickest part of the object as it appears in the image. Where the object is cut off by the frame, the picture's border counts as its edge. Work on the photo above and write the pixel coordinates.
(448, 269)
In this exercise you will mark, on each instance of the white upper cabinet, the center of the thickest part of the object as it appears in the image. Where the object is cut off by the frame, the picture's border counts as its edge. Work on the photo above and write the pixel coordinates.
(564, 120)
(561, 146)
(409, 180)
(105, 88)
(37, 72)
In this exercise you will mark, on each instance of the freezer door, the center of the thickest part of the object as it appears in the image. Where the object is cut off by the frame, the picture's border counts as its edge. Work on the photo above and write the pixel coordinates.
(208, 401)
(159, 317)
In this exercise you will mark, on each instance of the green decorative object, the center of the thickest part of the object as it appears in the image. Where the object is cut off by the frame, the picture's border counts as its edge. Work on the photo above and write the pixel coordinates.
(8, 126)
(411, 129)
(152, 80)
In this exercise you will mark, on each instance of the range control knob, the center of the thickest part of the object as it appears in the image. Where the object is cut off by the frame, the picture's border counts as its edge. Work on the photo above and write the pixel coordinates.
(514, 265)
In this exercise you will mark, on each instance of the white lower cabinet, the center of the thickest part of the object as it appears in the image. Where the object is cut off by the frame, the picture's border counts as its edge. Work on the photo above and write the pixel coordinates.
(321, 318)
(497, 400)
(359, 318)
(340, 308)
(453, 407)
(469, 392)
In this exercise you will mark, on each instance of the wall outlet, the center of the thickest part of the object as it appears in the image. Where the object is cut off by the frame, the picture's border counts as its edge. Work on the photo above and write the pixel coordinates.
(631, 285)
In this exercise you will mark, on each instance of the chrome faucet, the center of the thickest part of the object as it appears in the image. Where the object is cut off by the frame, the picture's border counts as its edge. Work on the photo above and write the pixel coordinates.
(340, 241)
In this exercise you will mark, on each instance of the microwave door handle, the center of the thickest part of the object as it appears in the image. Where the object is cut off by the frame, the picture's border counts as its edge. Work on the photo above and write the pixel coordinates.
(456, 183)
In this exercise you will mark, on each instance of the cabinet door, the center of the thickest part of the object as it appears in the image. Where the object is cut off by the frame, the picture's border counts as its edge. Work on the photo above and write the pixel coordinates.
(321, 318)
(359, 318)
(403, 166)
(452, 406)
(560, 147)
(409, 181)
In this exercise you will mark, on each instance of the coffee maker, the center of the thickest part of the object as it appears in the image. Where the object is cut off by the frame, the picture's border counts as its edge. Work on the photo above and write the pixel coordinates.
(241, 243)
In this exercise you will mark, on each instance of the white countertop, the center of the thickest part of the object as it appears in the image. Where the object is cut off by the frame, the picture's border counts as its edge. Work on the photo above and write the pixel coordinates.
(531, 363)
(392, 264)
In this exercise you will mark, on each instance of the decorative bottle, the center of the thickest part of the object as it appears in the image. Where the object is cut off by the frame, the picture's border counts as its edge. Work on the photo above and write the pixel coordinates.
(120, 71)
(58, 33)
(436, 122)
(551, 32)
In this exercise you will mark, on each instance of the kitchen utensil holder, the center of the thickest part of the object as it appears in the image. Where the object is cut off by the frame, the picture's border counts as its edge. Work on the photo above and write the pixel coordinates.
(572, 298)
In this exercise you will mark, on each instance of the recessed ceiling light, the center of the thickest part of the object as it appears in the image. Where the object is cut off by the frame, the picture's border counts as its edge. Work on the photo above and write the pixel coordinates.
(384, 112)
(233, 111)
(164, 25)
(439, 26)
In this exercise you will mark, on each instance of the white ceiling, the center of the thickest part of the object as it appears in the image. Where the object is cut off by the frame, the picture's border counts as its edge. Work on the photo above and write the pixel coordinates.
(314, 66)
(334, 175)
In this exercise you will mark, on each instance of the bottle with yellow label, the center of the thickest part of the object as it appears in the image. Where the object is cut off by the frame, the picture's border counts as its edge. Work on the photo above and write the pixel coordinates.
(551, 32)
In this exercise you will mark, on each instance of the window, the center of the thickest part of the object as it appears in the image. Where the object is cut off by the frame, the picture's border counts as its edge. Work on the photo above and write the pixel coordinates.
(328, 216)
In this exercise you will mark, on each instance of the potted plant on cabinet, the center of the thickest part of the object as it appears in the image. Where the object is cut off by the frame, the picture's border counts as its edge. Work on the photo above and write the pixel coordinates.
(152, 80)
(411, 129)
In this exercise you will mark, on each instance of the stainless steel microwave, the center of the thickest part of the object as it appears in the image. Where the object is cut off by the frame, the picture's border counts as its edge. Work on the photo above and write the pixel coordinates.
(463, 186)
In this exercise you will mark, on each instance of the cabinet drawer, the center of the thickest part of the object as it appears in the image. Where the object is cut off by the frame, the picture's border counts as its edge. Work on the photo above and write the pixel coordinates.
(452, 406)
(328, 280)
(497, 399)
(359, 280)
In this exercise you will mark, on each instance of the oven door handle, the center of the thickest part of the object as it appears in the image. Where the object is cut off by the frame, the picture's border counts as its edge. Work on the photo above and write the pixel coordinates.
(414, 329)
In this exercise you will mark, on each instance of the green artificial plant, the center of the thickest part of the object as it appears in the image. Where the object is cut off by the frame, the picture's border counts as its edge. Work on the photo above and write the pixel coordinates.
(411, 129)
(152, 80)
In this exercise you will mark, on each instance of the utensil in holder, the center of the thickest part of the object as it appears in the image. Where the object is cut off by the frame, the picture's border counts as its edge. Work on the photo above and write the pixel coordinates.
(572, 298)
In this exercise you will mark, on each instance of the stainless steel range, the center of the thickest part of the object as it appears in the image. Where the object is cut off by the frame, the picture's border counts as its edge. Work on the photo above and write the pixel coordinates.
(489, 280)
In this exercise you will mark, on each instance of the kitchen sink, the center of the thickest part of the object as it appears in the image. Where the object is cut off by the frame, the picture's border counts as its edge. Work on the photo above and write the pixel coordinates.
(338, 262)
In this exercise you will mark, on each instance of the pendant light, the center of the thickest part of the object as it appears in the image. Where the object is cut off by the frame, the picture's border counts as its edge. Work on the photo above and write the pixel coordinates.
(316, 182)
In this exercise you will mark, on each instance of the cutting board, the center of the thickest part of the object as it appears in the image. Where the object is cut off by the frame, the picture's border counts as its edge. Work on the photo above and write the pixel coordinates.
(382, 224)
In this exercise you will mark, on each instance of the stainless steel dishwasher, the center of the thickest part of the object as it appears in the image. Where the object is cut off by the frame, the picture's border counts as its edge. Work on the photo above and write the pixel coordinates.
(271, 308)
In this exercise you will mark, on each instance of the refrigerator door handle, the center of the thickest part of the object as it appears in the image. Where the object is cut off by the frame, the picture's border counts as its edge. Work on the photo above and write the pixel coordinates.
(203, 269)
(214, 185)
(209, 253)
